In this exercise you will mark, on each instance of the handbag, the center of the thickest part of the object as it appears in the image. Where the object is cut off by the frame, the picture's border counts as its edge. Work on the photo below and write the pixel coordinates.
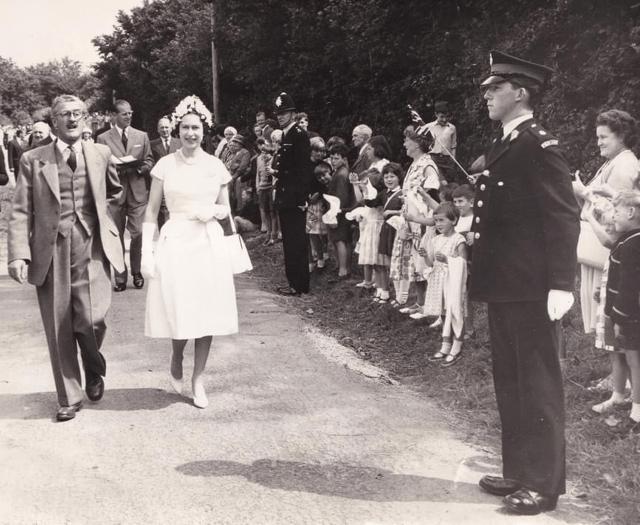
(237, 250)
(590, 249)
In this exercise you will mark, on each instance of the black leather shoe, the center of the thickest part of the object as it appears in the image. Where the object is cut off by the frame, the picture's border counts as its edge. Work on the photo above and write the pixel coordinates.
(138, 280)
(523, 502)
(499, 486)
(95, 387)
(67, 413)
(120, 287)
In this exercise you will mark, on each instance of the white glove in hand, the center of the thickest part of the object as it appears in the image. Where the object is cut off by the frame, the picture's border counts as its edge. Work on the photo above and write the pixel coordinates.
(558, 303)
(148, 262)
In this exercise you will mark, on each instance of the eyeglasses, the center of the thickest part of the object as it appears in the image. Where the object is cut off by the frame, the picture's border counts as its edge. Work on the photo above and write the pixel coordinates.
(67, 114)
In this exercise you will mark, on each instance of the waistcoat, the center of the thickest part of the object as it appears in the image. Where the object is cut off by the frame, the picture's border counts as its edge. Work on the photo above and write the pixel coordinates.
(76, 202)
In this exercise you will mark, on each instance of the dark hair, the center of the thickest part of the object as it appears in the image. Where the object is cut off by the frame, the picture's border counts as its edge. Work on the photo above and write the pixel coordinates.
(441, 107)
(19, 133)
(396, 169)
(339, 149)
(446, 192)
(448, 210)
(464, 191)
(322, 167)
(381, 148)
(620, 123)
(261, 141)
(335, 140)
(533, 87)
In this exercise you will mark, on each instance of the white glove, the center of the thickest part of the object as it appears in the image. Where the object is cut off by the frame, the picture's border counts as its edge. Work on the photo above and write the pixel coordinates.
(217, 211)
(558, 303)
(148, 262)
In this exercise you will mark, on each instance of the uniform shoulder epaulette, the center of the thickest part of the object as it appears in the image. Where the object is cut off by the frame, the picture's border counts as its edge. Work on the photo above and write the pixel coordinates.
(543, 136)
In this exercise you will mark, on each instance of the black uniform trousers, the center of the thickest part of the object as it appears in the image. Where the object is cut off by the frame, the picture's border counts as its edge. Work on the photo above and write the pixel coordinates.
(296, 251)
(530, 394)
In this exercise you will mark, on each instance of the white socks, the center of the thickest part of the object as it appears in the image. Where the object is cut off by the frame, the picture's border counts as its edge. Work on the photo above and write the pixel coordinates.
(635, 412)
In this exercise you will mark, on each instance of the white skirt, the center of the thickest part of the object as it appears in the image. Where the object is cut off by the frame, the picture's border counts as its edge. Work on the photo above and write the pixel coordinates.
(192, 293)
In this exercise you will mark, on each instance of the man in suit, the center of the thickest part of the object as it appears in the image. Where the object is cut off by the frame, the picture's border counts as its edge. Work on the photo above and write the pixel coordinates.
(109, 123)
(16, 147)
(41, 135)
(293, 171)
(132, 149)
(360, 137)
(160, 147)
(524, 261)
(63, 240)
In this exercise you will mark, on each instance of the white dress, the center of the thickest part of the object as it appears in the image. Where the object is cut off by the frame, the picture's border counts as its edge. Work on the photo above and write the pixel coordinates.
(192, 293)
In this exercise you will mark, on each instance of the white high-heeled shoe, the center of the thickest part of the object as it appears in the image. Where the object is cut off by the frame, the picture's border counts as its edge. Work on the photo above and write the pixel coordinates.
(200, 399)
(176, 384)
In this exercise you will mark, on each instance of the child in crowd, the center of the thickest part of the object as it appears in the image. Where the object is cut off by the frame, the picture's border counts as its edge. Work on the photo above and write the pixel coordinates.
(368, 244)
(446, 254)
(264, 187)
(341, 188)
(390, 202)
(248, 217)
(463, 197)
(622, 310)
(316, 228)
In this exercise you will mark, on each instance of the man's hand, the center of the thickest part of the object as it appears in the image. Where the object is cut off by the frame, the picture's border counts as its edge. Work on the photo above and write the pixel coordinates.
(18, 270)
(558, 303)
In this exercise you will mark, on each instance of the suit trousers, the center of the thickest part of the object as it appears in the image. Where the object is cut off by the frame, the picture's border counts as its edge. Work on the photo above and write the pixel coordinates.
(130, 214)
(530, 394)
(74, 300)
(296, 251)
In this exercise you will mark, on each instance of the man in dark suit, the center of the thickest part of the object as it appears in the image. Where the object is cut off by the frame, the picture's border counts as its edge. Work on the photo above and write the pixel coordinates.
(40, 135)
(293, 172)
(160, 147)
(63, 240)
(524, 262)
(16, 147)
(360, 137)
(132, 150)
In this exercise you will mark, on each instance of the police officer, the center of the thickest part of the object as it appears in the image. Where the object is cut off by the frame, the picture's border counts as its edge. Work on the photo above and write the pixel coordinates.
(293, 172)
(524, 261)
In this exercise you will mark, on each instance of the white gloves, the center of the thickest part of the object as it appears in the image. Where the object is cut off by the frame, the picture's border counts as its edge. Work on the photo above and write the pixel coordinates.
(558, 303)
(217, 211)
(148, 262)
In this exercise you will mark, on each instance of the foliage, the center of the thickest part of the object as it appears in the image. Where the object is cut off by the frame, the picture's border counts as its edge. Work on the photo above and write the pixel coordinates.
(25, 93)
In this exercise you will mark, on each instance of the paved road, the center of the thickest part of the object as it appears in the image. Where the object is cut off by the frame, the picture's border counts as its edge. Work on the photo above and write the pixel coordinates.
(292, 435)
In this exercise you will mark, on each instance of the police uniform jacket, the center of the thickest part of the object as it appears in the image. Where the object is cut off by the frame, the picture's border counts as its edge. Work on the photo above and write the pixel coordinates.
(526, 220)
(294, 170)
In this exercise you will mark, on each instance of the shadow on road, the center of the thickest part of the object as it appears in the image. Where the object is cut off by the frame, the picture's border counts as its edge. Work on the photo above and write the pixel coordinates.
(42, 405)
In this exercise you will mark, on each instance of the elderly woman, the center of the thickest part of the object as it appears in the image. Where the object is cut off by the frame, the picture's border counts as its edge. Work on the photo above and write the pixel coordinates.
(238, 163)
(191, 290)
(407, 266)
(616, 131)
(222, 149)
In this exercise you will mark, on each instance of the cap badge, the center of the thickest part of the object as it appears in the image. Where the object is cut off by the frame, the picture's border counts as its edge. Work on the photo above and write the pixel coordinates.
(278, 101)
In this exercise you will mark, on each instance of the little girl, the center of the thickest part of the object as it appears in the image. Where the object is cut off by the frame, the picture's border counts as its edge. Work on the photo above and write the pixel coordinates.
(388, 202)
(447, 255)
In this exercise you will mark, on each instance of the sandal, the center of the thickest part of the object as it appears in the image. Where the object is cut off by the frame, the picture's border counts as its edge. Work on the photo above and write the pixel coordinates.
(437, 356)
(395, 304)
(380, 300)
(451, 359)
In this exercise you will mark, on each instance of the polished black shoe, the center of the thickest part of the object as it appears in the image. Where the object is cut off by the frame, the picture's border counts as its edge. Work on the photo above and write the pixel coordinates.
(288, 291)
(138, 280)
(499, 486)
(120, 287)
(94, 387)
(67, 413)
(524, 502)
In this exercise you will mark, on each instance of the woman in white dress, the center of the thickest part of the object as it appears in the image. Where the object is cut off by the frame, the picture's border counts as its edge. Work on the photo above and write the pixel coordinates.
(191, 289)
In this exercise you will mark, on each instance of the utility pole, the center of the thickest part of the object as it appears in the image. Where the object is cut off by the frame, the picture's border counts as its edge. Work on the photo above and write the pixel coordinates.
(215, 87)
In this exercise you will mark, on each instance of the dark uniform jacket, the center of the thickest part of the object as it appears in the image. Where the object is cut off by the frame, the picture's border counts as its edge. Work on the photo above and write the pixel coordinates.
(623, 282)
(294, 170)
(526, 220)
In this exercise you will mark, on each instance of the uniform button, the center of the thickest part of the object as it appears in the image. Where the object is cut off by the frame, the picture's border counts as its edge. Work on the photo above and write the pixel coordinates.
(477, 235)
(477, 220)
(480, 203)
(500, 183)
(482, 187)
(485, 173)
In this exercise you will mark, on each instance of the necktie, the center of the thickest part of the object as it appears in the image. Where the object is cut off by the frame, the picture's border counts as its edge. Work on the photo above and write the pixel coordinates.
(71, 160)
(166, 145)
(124, 140)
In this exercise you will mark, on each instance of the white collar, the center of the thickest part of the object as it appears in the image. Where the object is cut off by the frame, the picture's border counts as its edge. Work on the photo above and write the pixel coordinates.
(364, 147)
(513, 124)
(62, 146)
(120, 130)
